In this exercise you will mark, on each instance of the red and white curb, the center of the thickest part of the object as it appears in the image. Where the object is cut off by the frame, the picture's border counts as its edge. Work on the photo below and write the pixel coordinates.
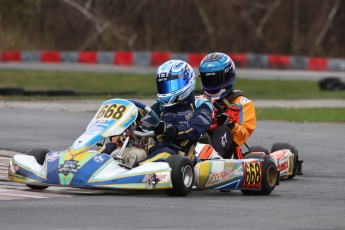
(153, 59)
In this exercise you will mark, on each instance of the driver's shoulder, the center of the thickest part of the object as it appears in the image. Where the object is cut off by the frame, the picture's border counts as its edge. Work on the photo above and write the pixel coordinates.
(242, 100)
(201, 100)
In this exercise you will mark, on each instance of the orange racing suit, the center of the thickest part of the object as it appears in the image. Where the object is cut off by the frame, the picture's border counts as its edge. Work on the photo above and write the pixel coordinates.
(241, 112)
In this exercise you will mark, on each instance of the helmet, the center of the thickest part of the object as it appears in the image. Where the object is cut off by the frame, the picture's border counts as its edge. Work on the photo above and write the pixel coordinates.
(175, 81)
(217, 72)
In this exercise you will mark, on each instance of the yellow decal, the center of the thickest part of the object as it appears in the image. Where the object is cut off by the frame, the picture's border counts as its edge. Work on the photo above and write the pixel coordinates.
(253, 173)
(113, 111)
(291, 164)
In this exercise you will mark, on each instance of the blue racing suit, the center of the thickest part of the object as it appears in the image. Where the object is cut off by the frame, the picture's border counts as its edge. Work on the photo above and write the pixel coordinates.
(191, 118)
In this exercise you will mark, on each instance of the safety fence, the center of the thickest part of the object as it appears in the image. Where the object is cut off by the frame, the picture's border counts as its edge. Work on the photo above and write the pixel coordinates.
(145, 58)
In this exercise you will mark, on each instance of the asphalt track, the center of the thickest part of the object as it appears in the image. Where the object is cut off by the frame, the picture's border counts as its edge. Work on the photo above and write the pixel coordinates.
(315, 200)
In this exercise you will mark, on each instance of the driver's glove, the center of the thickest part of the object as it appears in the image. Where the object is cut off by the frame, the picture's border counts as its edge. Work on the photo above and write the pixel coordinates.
(165, 129)
(109, 148)
(222, 119)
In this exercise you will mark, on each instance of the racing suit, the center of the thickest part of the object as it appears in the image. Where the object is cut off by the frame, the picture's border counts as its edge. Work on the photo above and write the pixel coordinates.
(241, 113)
(191, 118)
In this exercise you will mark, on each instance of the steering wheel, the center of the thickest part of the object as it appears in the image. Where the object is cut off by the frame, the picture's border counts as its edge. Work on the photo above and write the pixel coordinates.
(219, 111)
(146, 108)
(149, 111)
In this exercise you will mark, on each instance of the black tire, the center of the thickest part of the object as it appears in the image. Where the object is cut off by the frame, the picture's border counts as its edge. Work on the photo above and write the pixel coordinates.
(37, 187)
(282, 145)
(253, 149)
(182, 175)
(269, 175)
(331, 84)
(9, 91)
(40, 155)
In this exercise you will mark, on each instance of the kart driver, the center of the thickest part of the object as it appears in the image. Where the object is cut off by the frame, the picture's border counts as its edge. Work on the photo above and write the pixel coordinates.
(217, 72)
(183, 118)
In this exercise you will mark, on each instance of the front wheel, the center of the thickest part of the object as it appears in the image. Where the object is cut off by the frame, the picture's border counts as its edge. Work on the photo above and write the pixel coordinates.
(269, 175)
(40, 155)
(182, 175)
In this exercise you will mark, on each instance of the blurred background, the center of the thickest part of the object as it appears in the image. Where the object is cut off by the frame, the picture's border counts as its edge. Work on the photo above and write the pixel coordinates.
(290, 54)
(292, 27)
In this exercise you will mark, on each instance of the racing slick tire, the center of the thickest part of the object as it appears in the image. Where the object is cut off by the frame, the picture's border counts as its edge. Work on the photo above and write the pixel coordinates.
(269, 175)
(182, 175)
(282, 145)
(40, 155)
(255, 148)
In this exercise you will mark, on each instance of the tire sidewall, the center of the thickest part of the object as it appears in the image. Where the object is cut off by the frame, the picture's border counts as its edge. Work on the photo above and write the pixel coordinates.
(178, 165)
(39, 154)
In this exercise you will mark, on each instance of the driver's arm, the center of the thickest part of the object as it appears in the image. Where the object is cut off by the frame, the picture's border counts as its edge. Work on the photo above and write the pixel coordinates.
(148, 122)
(200, 122)
(247, 124)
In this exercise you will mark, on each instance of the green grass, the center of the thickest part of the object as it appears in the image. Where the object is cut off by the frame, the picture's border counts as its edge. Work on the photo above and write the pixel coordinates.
(336, 115)
(79, 82)
(285, 89)
(143, 86)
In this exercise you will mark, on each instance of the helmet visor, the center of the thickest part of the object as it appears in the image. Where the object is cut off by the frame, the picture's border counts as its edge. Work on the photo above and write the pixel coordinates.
(214, 79)
(170, 83)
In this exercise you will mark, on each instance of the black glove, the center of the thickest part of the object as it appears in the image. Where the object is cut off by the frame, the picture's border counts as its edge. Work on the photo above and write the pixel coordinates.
(231, 125)
(165, 129)
(222, 119)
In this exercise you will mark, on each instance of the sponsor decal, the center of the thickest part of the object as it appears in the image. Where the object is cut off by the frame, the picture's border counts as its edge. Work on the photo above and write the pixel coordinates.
(178, 66)
(219, 176)
(244, 100)
(98, 158)
(153, 179)
(252, 174)
(188, 115)
(69, 166)
(13, 168)
(224, 140)
(53, 156)
(283, 166)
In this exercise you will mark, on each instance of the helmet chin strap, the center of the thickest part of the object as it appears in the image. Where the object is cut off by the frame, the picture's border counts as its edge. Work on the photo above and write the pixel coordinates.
(226, 102)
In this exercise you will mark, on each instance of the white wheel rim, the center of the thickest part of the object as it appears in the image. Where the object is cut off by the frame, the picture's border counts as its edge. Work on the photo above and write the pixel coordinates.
(187, 175)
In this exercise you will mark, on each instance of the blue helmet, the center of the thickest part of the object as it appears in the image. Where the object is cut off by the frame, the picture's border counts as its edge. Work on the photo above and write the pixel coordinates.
(175, 81)
(217, 72)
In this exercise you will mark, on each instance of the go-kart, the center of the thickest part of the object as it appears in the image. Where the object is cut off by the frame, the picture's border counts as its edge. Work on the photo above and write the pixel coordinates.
(82, 165)
(285, 155)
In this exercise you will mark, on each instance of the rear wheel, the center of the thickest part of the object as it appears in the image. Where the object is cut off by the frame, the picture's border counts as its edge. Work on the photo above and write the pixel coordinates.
(282, 145)
(269, 175)
(253, 149)
(182, 175)
(40, 155)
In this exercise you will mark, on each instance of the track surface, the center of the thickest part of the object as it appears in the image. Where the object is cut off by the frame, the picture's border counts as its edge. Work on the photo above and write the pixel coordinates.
(315, 200)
